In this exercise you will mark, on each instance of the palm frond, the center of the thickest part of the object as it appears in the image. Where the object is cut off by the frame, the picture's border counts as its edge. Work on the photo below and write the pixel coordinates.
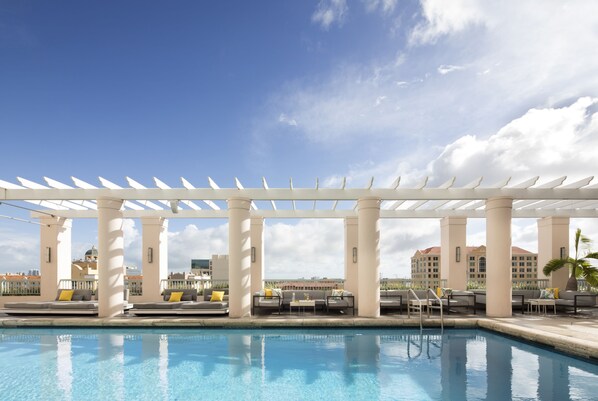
(590, 274)
(591, 255)
(555, 264)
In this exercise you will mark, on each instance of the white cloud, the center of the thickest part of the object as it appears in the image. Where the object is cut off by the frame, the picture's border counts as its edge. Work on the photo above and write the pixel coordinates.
(195, 243)
(386, 6)
(444, 18)
(304, 248)
(329, 12)
(550, 142)
(18, 252)
(287, 120)
(445, 69)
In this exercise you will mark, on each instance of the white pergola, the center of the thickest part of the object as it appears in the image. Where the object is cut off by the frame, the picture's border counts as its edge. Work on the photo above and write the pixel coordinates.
(530, 199)
(552, 202)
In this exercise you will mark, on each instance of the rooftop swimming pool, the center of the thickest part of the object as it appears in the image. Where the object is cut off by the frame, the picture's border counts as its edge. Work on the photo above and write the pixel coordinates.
(294, 364)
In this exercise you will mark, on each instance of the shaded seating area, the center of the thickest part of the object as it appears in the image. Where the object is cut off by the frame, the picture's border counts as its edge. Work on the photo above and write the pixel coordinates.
(67, 302)
(564, 301)
(186, 302)
(392, 300)
(277, 300)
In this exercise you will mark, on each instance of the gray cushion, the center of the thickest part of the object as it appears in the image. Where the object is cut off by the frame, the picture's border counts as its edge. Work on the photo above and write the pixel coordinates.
(205, 305)
(158, 305)
(27, 305)
(73, 305)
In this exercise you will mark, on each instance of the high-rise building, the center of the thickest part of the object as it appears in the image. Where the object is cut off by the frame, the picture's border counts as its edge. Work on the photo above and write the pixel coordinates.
(425, 263)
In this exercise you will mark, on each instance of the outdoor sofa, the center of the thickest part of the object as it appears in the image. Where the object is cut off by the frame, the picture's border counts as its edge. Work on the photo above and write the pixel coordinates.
(190, 304)
(396, 299)
(325, 300)
(81, 303)
(566, 299)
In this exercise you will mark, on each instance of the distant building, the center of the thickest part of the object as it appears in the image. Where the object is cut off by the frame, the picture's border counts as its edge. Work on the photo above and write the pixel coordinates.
(201, 267)
(87, 267)
(425, 263)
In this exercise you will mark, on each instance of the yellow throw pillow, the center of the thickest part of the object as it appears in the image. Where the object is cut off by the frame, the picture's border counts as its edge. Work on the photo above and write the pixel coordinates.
(439, 292)
(66, 295)
(217, 296)
(268, 292)
(554, 291)
(175, 296)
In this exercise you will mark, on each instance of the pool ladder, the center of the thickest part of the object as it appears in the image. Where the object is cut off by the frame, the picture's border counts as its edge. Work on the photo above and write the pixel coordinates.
(417, 305)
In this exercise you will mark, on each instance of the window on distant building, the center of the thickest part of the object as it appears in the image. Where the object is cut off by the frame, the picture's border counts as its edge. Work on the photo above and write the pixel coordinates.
(482, 265)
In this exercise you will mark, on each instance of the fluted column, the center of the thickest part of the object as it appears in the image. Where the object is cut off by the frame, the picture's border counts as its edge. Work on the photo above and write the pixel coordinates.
(498, 257)
(111, 257)
(368, 259)
(239, 251)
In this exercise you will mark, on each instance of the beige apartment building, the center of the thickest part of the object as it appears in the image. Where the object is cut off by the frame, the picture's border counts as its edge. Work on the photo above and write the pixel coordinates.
(425, 263)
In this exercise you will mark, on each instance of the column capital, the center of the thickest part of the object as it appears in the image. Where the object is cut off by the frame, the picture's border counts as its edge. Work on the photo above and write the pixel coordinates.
(500, 202)
(351, 221)
(56, 221)
(368, 203)
(553, 221)
(238, 203)
(446, 221)
(154, 221)
(110, 203)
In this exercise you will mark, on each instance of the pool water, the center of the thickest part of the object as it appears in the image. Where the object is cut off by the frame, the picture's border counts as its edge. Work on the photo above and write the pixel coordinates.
(335, 364)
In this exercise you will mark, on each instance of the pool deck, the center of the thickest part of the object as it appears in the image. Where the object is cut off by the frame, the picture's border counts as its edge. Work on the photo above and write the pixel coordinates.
(573, 334)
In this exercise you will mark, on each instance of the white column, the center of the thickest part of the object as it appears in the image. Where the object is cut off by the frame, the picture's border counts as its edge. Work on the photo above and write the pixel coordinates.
(553, 234)
(351, 256)
(154, 256)
(55, 254)
(453, 254)
(498, 257)
(368, 258)
(111, 257)
(257, 254)
(239, 251)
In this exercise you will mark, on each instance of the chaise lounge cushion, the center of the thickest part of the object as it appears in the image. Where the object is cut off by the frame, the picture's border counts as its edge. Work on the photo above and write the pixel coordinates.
(73, 305)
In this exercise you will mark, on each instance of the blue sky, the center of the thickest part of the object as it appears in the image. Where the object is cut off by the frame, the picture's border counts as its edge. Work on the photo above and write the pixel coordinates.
(302, 89)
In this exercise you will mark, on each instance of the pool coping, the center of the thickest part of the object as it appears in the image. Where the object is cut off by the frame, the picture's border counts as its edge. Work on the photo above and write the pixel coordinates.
(572, 336)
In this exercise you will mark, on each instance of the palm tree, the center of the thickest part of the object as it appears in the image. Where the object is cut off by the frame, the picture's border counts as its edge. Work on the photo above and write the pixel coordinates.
(579, 266)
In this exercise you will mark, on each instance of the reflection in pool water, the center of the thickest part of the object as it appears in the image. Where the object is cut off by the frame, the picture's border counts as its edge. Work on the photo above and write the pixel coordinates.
(369, 364)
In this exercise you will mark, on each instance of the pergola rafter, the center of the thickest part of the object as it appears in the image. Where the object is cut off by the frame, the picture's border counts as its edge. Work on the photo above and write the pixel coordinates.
(530, 199)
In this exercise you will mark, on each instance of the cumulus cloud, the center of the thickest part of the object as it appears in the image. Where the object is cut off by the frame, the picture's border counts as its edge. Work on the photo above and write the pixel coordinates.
(305, 248)
(195, 243)
(329, 12)
(548, 141)
(19, 252)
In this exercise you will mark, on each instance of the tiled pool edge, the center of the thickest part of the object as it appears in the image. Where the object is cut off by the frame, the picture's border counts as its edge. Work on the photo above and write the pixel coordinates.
(561, 342)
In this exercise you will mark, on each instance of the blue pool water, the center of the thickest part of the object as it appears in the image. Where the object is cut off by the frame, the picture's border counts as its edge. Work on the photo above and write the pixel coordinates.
(361, 364)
